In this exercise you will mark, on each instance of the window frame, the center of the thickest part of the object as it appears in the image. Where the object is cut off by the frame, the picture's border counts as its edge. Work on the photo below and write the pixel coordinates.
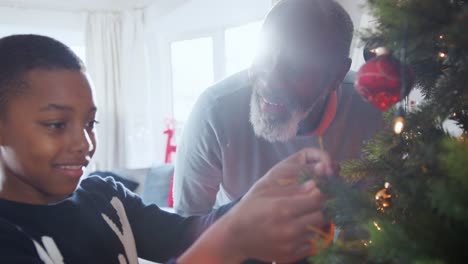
(217, 34)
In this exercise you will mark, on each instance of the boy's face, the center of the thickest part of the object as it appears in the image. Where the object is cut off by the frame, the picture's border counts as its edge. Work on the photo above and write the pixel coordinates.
(47, 136)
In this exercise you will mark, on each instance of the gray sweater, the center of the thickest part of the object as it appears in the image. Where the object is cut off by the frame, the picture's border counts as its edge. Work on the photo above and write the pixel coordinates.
(219, 157)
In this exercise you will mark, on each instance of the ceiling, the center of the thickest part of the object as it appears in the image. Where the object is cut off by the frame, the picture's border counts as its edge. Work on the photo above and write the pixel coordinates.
(79, 5)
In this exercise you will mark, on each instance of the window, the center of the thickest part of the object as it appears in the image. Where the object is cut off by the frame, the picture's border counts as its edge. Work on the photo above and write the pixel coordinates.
(242, 44)
(192, 72)
(194, 64)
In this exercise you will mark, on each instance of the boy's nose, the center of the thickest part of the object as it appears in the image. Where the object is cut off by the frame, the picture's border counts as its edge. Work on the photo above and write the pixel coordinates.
(82, 142)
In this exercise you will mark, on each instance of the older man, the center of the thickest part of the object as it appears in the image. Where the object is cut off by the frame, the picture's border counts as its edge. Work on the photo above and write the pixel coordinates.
(296, 94)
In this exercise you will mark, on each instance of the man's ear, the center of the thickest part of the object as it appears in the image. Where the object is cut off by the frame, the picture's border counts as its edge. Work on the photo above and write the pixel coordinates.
(341, 72)
(2, 125)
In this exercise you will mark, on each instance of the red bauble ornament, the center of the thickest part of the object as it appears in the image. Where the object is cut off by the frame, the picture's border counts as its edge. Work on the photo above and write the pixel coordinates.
(379, 81)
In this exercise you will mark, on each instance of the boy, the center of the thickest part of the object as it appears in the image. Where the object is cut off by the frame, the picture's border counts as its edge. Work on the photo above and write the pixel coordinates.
(47, 118)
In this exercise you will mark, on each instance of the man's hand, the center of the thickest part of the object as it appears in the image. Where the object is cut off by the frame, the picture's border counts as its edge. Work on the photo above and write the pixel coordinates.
(271, 221)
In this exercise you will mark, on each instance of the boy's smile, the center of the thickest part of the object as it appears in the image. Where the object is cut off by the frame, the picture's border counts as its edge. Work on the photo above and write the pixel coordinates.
(47, 136)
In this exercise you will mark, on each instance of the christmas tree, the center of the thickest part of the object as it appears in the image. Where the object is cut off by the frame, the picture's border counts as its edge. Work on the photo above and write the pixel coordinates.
(406, 200)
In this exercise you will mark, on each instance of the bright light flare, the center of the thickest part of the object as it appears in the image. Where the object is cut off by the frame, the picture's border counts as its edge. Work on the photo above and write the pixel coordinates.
(398, 125)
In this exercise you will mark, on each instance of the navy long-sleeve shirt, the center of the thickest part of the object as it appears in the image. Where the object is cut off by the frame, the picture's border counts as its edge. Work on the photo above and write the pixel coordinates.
(101, 222)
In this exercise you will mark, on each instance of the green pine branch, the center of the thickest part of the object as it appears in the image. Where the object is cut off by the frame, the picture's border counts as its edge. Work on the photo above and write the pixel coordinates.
(427, 221)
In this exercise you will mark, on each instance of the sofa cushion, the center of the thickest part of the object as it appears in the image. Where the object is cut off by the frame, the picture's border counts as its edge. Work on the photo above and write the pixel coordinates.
(157, 184)
(136, 175)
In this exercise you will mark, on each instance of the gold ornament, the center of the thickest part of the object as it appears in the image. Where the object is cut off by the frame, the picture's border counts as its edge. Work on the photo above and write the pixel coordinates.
(424, 168)
(383, 197)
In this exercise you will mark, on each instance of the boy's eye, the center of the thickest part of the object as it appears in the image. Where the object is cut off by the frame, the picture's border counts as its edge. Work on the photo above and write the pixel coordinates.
(92, 124)
(55, 125)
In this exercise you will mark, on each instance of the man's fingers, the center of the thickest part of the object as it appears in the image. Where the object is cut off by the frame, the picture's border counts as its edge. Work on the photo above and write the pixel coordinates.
(313, 223)
(309, 155)
(288, 189)
(302, 244)
(300, 204)
(328, 169)
(294, 174)
(318, 160)
(311, 230)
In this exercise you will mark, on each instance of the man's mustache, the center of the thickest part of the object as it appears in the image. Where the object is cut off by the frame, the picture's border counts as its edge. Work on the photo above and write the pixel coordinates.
(277, 97)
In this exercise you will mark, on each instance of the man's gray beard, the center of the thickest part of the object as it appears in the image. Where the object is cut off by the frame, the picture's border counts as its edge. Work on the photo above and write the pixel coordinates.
(273, 130)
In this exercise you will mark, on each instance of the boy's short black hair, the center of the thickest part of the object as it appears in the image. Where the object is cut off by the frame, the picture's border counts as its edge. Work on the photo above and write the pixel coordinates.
(20, 54)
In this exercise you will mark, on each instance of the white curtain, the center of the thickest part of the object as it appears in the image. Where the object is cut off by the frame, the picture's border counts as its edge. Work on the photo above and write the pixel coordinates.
(117, 63)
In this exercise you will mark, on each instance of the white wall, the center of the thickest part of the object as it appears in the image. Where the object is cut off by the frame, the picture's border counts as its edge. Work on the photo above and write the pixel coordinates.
(161, 8)
(67, 27)
(202, 15)
(356, 11)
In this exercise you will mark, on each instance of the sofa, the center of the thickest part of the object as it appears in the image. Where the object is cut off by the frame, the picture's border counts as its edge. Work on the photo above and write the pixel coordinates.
(152, 184)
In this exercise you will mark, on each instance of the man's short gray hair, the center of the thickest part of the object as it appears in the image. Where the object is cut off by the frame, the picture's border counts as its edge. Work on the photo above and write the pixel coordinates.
(329, 14)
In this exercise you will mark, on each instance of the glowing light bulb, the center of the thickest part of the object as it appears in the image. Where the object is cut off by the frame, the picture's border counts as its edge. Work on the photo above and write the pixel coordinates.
(398, 125)
(377, 226)
(442, 55)
(381, 51)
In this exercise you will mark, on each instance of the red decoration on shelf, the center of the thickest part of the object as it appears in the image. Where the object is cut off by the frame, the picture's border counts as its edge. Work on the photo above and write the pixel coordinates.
(379, 81)
(170, 148)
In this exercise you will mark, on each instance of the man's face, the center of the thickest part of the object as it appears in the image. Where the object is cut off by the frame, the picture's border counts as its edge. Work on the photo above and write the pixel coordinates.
(47, 136)
(289, 83)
